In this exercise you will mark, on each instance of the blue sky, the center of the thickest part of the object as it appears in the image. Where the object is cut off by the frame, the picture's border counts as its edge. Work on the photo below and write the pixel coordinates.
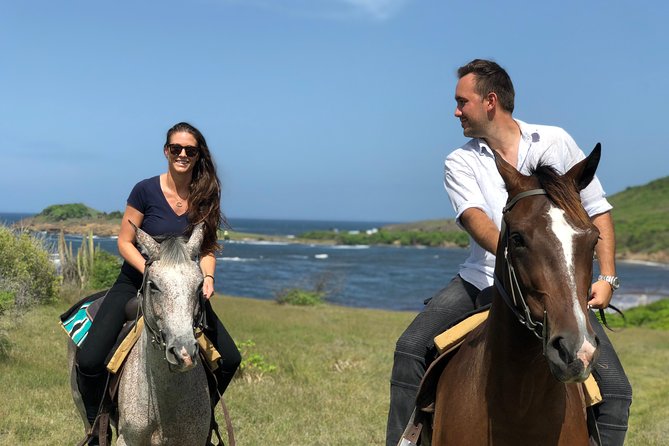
(314, 109)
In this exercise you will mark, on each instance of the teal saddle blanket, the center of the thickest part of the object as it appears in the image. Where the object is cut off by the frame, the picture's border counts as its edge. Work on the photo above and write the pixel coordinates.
(78, 319)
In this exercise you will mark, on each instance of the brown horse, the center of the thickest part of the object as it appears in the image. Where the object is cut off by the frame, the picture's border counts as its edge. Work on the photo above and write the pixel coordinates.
(515, 383)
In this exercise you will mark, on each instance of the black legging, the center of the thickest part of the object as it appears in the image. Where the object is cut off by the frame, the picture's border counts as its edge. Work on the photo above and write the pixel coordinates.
(110, 318)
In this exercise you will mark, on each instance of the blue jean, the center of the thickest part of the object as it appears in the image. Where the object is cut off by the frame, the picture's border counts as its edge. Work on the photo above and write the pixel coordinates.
(447, 307)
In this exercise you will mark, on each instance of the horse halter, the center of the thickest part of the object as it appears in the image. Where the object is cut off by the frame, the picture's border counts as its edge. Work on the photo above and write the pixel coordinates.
(517, 300)
(152, 326)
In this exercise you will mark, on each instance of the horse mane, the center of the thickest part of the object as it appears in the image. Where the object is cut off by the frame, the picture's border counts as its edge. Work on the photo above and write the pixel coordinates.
(562, 192)
(173, 251)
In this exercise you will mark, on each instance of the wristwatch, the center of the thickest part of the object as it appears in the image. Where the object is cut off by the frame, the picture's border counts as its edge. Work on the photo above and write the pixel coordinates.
(612, 280)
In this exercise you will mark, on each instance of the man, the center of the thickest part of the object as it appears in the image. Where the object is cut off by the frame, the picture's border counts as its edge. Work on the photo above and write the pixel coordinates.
(485, 100)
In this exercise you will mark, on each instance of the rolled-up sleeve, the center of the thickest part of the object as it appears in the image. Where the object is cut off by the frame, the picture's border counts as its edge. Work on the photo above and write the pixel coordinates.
(462, 186)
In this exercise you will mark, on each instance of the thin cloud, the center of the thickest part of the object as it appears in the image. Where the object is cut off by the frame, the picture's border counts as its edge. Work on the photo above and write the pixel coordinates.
(377, 10)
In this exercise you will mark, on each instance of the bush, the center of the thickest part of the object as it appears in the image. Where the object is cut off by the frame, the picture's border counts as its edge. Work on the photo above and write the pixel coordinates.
(27, 274)
(105, 270)
(298, 296)
(90, 268)
(253, 366)
(655, 315)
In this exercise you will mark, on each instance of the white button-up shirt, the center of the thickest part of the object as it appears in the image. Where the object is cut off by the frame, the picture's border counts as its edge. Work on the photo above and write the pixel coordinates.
(472, 181)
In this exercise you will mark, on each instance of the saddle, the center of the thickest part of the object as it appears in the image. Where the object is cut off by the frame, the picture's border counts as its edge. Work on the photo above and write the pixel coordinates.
(78, 320)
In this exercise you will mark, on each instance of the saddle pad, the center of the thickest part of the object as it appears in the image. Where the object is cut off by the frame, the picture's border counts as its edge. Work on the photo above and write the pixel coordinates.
(207, 348)
(77, 325)
(116, 361)
(453, 337)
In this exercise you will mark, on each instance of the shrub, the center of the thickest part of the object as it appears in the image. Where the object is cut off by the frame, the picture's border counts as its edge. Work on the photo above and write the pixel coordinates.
(90, 268)
(298, 296)
(655, 315)
(28, 275)
(105, 270)
(253, 366)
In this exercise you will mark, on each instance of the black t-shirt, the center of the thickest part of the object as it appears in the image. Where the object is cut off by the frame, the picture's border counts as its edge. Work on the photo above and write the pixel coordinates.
(159, 217)
(159, 221)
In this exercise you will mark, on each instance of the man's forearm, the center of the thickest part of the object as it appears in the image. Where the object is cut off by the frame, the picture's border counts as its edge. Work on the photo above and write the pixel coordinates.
(481, 228)
(606, 246)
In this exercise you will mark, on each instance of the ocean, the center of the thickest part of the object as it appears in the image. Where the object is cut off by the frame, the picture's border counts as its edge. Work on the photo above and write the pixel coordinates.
(384, 277)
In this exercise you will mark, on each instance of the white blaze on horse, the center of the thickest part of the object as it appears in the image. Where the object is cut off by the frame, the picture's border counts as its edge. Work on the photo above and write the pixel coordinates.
(163, 397)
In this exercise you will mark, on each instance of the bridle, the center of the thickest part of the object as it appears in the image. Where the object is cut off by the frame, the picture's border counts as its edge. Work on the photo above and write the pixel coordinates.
(516, 299)
(153, 326)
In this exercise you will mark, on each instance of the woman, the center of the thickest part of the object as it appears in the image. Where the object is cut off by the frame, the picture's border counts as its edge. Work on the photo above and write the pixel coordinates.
(168, 204)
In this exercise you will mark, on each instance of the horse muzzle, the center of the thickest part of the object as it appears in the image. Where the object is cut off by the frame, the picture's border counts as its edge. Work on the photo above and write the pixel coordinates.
(570, 359)
(182, 353)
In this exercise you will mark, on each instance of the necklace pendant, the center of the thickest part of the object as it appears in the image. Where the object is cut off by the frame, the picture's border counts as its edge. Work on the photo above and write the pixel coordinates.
(179, 204)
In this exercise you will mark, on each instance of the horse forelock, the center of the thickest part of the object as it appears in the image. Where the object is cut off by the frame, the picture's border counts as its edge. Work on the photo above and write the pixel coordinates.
(563, 193)
(173, 251)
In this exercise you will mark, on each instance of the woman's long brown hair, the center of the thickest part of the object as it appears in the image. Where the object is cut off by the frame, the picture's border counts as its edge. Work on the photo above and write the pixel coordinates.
(204, 199)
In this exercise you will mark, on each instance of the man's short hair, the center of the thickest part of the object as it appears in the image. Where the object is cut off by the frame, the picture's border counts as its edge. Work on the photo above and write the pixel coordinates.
(490, 77)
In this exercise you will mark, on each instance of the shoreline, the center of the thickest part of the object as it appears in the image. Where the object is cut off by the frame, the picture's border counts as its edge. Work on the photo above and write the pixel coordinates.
(111, 229)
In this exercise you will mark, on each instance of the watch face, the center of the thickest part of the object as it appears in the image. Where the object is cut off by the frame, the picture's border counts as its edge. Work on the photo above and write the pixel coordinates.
(615, 283)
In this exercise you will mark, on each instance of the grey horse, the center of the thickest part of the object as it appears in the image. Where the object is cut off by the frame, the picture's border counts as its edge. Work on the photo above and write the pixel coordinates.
(163, 398)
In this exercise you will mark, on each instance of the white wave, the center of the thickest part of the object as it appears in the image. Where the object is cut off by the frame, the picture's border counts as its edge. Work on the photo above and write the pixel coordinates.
(350, 246)
(321, 256)
(259, 242)
(646, 263)
(235, 259)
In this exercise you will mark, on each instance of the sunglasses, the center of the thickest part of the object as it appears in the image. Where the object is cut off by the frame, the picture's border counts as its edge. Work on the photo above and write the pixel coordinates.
(175, 150)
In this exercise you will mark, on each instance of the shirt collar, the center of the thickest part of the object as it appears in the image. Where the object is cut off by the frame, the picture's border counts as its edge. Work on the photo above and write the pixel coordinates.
(527, 133)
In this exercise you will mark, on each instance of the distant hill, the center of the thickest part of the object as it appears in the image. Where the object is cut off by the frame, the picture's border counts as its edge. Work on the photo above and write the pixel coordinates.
(74, 218)
(641, 216)
(62, 212)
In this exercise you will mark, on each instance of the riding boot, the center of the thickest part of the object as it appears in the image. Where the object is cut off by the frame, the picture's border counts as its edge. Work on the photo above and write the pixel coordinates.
(91, 388)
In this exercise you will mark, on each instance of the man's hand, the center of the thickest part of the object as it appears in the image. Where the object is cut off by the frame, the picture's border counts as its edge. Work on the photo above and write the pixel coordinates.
(601, 295)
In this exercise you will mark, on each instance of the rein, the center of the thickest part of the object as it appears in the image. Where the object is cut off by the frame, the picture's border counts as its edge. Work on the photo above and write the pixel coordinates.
(516, 299)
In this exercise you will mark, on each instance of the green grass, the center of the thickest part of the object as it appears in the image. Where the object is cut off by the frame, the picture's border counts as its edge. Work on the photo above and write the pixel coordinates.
(330, 386)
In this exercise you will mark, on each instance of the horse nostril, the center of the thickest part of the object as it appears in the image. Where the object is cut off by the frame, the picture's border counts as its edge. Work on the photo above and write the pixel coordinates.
(560, 344)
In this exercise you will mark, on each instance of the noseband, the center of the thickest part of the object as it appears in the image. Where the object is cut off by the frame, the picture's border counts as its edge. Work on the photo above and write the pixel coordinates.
(516, 299)
(153, 326)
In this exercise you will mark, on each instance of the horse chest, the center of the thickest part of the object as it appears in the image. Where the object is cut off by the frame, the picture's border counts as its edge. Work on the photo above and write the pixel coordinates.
(158, 406)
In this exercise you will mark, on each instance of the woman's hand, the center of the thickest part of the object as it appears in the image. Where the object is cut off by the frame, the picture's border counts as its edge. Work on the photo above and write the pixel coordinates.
(208, 286)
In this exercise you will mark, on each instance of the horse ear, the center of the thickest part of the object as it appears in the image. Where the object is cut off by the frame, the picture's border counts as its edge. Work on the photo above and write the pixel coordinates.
(146, 242)
(509, 174)
(195, 240)
(583, 172)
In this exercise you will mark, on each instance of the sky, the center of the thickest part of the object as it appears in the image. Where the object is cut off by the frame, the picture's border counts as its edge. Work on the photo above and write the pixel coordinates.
(313, 109)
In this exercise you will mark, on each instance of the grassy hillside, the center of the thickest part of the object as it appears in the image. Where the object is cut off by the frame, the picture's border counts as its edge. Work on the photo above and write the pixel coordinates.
(330, 386)
(641, 218)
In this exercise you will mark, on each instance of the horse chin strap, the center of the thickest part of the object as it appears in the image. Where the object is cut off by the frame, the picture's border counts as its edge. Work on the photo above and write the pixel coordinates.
(516, 300)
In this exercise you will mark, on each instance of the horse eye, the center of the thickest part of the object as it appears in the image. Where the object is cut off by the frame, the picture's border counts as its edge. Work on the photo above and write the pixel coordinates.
(517, 240)
(154, 287)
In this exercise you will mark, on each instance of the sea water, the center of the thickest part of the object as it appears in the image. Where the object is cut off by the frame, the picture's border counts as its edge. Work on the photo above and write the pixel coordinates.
(386, 277)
